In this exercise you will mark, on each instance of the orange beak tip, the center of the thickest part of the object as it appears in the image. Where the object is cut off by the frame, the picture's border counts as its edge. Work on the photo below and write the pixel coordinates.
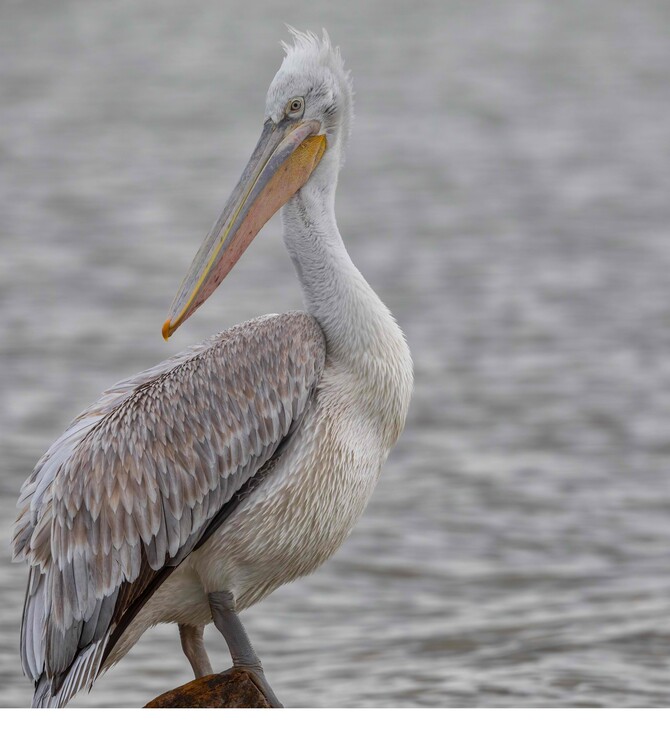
(166, 330)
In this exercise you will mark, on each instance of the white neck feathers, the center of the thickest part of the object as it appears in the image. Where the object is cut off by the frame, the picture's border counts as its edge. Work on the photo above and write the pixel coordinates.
(361, 334)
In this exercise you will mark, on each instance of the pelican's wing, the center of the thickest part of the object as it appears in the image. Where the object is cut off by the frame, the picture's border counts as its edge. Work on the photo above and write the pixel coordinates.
(131, 487)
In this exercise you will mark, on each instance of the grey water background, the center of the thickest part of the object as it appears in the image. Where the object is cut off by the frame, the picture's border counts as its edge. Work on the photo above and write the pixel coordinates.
(507, 192)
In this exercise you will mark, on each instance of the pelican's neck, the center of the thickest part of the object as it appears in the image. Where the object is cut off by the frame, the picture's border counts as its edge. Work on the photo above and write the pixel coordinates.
(335, 292)
(361, 335)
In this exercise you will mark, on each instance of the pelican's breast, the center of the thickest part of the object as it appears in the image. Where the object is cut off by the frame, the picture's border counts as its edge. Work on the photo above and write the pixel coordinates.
(304, 508)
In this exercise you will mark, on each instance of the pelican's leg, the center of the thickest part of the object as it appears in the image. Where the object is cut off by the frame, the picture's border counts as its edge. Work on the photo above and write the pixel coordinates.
(226, 620)
(194, 648)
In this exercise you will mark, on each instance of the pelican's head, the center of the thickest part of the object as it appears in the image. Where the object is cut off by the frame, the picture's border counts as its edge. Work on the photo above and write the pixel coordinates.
(308, 114)
(312, 83)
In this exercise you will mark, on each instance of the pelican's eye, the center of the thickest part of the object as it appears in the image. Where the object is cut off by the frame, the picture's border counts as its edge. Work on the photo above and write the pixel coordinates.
(295, 107)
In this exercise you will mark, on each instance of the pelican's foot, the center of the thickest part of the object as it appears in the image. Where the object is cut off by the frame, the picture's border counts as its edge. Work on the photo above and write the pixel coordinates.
(258, 677)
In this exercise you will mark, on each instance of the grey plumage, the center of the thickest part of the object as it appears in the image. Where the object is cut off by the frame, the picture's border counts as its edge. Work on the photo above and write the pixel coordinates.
(132, 485)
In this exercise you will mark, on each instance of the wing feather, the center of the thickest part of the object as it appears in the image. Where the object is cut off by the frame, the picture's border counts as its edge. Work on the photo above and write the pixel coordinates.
(133, 484)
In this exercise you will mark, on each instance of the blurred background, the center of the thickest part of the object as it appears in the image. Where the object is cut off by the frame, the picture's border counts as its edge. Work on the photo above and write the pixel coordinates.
(507, 193)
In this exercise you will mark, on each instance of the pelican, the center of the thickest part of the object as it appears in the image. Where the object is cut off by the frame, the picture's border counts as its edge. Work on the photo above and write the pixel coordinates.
(189, 492)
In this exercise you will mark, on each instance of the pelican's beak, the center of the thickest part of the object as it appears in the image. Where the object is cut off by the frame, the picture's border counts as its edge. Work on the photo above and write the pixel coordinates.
(286, 155)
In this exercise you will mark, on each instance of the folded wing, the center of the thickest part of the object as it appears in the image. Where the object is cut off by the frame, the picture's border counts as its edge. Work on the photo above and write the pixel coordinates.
(131, 487)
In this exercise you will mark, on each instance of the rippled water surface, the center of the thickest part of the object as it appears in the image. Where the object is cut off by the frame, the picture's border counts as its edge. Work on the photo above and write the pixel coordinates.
(507, 192)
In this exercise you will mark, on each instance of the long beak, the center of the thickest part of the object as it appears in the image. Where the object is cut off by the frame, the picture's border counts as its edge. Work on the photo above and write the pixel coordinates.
(285, 156)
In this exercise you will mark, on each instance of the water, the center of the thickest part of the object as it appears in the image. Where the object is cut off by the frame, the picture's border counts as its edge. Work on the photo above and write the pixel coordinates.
(506, 192)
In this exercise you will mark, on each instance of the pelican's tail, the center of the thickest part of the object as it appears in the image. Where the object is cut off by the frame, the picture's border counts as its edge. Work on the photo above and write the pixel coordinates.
(43, 696)
(58, 691)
